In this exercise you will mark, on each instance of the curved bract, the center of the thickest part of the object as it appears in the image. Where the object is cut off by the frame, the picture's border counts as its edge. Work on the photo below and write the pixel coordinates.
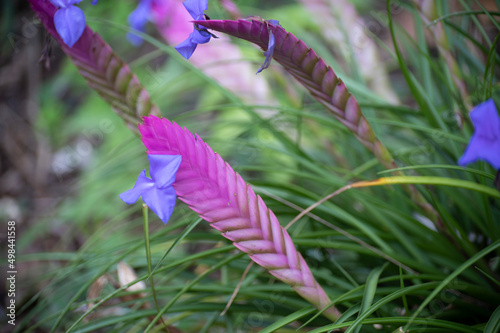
(322, 83)
(312, 72)
(210, 187)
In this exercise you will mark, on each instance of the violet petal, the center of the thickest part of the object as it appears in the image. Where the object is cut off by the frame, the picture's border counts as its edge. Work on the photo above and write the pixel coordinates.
(195, 7)
(138, 19)
(64, 3)
(200, 36)
(161, 201)
(163, 169)
(70, 24)
(142, 184)
(485, 142)
(269, 52)
(186, 48)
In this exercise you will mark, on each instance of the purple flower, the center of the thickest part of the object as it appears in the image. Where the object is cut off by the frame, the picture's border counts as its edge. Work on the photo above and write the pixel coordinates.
(270, 47)
(485, 142)
(69, 20)
(138, 19)
(200, 35)
(156, 192)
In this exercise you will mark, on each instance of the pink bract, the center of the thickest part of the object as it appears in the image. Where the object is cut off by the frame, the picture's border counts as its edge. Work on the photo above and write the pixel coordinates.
(219, 195)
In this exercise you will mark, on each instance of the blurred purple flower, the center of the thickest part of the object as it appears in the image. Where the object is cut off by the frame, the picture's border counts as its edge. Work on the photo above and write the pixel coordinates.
(200, 35)
(69, 20)
(270, 47)
(156, 192)
(138, 19)
(485, 142)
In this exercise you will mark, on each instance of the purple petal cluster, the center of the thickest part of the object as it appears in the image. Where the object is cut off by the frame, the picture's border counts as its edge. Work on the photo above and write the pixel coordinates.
(69, 20)
(485, 142)
(200, 35)
(157, 192)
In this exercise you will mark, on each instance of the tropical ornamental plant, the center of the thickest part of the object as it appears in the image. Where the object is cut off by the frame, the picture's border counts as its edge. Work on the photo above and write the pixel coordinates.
(369, 262)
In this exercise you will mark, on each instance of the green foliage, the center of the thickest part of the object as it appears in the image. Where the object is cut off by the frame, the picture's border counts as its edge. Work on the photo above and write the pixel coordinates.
(294, 153)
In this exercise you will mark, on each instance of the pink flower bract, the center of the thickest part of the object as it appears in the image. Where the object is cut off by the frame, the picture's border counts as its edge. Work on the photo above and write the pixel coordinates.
(219, 195)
